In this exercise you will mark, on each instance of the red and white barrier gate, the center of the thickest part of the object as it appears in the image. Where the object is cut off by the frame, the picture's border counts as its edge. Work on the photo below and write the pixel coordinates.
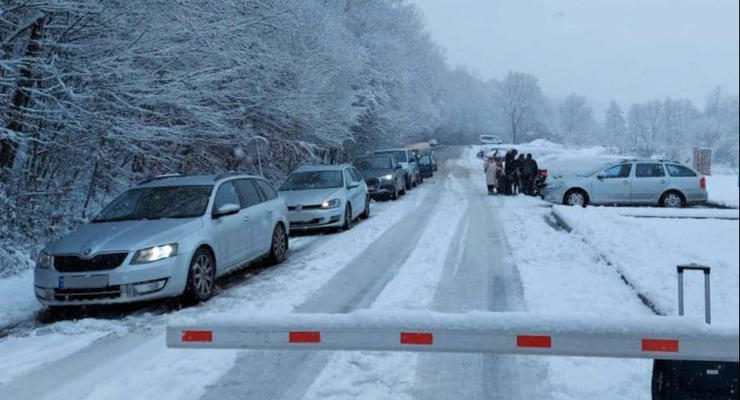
(671, 338)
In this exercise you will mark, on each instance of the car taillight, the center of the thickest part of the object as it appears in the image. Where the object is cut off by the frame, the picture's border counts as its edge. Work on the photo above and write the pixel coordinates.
(543, 172)
(703, 182)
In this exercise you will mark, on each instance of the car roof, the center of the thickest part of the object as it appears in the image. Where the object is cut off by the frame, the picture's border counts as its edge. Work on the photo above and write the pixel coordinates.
(330, 167)
(191, 180)
(649, 160)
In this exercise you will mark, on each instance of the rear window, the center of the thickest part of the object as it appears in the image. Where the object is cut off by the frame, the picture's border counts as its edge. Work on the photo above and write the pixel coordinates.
(649, 171)
(679, 170)
(399, 156)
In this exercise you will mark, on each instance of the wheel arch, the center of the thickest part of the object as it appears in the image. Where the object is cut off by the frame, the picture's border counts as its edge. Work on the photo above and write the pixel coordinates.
(574, 189)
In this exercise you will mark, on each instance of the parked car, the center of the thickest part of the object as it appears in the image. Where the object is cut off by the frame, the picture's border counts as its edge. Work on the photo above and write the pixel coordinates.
(166, 237)
(325, 196)
(426, 168)
(434, 143)
(630, 182)
(490, 139)
(406, 158)
(383, 176)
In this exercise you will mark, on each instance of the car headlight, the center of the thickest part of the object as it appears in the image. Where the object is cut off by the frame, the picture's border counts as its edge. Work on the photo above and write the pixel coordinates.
(44, 261)
(155, 253)
(387, 177)
(333, 203)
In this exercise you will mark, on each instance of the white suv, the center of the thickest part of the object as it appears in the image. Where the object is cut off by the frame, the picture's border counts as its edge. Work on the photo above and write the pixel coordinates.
(165, 237)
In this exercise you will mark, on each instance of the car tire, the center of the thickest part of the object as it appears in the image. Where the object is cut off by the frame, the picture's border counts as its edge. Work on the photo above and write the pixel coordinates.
(347, 218)
(406, 183)
(672, 199)
(366, 212)
(394, 195)
(278, 246)
(201, 276)
(575, 197)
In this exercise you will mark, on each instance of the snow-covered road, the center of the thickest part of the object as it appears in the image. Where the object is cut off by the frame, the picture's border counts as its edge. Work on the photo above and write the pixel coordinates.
(446, 246)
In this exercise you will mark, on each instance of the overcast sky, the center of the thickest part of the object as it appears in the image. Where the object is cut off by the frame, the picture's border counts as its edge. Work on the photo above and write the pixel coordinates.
(627, 50)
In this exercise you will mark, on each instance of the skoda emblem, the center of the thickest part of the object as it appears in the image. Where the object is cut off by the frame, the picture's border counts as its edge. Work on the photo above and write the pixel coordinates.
(299, 207)
(87, 251)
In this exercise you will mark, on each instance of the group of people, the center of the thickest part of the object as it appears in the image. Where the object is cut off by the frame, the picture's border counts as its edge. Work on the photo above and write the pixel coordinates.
(514, 174)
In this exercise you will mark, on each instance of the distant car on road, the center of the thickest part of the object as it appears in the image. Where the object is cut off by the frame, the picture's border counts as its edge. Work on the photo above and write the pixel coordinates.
(434, 143)
(426, 165)
(165, 237)
(407, 160)
(325, 196)
(383, 176)
(490, 139)
(630, 182)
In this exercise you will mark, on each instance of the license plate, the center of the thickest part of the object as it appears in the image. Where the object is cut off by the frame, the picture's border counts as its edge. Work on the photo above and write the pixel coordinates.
(83, 281)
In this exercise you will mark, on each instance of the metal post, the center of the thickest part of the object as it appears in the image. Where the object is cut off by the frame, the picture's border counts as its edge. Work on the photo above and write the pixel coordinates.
(707, 298)
(680, 291)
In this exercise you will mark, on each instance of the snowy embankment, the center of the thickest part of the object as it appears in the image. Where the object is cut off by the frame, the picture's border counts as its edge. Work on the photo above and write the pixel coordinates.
(647, 252)
(723, 190)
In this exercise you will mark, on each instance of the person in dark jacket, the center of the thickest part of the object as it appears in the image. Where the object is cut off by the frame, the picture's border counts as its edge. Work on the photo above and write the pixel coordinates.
(529, 173)
(517, 174)
(509, 171)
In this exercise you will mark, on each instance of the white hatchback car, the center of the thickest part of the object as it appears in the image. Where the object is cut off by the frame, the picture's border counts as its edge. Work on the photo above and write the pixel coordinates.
(325, 196)
(167, 236)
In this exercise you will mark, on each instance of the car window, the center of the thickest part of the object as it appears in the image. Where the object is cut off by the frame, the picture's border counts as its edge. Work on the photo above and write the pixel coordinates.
(424, 160)
(400, 156)
(248, 193)
(313, 180)
(356, 176)
(347, 177)
(619, 171)
(268, 193)
(375, 163)
(679, 170)
(649, 170)
(226, 195)
(157, 202)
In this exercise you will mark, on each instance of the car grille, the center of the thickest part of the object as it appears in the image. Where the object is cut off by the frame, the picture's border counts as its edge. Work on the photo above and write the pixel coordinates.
(311, 207)
(373, 183)
(314, 221)
(108, 292)
(100, 262)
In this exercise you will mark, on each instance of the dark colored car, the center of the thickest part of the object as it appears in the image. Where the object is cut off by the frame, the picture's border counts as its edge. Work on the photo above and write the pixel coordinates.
(383, 175)
(426, 166)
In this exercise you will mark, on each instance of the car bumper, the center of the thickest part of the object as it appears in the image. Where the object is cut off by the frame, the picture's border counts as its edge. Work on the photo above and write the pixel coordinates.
(124, 284)
(383, 189)
(552, 195)
(315, 219)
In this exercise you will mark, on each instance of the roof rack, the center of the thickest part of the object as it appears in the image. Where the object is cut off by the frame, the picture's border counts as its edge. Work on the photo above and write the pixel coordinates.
(225, 175)
(158, 177)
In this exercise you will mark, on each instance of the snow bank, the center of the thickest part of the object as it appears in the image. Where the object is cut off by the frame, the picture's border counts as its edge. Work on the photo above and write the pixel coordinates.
(18, 300)
(695, 213)
(647, 252)
(723, 190)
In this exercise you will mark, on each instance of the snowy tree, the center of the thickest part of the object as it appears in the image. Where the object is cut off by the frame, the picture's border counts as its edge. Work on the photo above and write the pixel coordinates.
(520, 97)
(615, 126)
(576, 120)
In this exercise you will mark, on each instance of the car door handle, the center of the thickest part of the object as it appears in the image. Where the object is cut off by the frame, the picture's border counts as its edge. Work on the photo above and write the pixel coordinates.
(625, 182)
(245, 218)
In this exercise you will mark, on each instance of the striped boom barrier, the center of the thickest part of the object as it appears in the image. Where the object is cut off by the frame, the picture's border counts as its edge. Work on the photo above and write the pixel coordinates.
(670, 338)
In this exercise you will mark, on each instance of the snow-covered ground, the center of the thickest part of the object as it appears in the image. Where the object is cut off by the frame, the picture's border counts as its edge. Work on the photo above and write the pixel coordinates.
(447, 247)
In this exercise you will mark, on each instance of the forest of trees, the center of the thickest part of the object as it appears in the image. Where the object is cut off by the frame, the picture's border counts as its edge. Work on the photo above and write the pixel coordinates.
(97, 94)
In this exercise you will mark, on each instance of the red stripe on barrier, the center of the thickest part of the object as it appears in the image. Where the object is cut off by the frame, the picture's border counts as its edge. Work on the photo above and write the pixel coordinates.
(662, 345)
(544, 342)
(424, 338)
(197, 336)
(304, 337)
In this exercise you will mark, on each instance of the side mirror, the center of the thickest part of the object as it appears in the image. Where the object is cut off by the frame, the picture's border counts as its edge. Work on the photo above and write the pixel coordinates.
(353, 185)
(398, 166)
(600, 176)
(226, 209)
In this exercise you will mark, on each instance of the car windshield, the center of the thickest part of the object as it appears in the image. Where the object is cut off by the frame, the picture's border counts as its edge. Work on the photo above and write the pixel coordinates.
(374, 163)
(157, 203)
(313, 180)
(399, 156)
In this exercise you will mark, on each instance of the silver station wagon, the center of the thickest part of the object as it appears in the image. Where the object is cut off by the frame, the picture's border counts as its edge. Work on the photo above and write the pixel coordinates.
(630, 182)
(167, 236)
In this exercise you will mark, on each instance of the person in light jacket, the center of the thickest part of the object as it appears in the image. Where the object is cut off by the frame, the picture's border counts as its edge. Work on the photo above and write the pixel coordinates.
(492, 169)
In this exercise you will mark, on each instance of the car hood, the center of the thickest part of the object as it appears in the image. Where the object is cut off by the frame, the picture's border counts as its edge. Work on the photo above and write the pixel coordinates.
(308, 197)
(93, 238)
(375, 172)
